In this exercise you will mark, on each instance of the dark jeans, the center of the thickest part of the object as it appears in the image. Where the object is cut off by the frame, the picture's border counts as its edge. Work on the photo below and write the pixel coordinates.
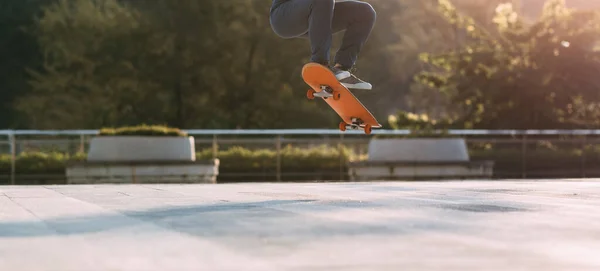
(319, 19)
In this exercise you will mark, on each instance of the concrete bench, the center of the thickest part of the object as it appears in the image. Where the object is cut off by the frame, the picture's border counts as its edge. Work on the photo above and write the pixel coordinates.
(415, 159)
(142, 148)
(142, 159)
(143, 172)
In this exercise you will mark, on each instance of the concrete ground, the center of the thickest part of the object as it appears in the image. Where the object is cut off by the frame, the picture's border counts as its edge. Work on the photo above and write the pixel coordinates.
(500, 225)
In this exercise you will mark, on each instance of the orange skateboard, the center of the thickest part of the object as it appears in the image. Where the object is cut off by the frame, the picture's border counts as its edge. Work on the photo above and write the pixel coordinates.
(324, 85)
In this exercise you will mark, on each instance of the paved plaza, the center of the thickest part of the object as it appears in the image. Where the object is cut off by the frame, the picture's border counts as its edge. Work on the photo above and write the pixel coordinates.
(471, 225)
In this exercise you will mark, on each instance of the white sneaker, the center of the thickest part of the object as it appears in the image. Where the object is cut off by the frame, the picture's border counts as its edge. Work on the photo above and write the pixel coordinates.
(350, 80)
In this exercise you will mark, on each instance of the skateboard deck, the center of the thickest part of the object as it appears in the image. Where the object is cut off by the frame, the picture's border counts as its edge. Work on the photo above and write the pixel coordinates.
(325, 85)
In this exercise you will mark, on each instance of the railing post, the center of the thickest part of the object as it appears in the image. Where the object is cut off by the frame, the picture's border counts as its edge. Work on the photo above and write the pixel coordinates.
(13, 157)
(341, 149)
(583, 167)
(215, 147)
(81, 143)
(278, 146)
(524, 156)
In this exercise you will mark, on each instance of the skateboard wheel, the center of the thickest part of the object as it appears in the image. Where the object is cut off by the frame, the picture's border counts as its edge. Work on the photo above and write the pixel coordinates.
(342, 126)
(368, 129)
(336, 95)
(310, 94)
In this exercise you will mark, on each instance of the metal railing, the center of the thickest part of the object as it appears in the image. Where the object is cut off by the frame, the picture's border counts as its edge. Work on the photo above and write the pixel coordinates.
(14, 142)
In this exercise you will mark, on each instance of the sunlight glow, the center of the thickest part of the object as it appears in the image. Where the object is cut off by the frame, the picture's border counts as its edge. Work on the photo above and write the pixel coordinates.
(505, 15)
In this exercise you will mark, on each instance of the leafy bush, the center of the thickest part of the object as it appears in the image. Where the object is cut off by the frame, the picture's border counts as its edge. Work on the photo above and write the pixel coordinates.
(39, 162)
(327, 163)
(419, 125)
(142, 130)
(241, 164)
(4, 164)
(237, 163)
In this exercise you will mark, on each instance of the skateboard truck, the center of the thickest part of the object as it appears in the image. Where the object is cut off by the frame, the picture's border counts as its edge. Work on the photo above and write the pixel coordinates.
(356, 125)
(325, 93)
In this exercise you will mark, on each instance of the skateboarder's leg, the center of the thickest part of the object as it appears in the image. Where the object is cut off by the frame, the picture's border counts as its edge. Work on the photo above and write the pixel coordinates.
(358, 19)
(301, 18)
(318, 20)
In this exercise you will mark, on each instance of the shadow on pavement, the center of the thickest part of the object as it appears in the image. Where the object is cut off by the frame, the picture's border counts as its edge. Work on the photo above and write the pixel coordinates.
(228, 220)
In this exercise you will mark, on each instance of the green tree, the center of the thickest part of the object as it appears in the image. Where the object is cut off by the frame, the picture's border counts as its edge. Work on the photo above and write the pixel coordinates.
(190, 64)
(403, 31)
(439, 36)
(390, 59)
(89, 73)
(526, 76)
(212, 64)
(18, 51)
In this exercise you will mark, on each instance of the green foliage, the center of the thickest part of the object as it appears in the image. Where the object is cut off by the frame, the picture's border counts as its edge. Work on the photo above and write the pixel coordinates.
(39, 162)
(243, 165)
(411, 121)
(236, 164)
(240, 164)
(207, 64)
(84, 64)
(186, 63)
(419, 125)
(5, 163)
(142, 130)
(18, 52)
(318, 157)
(522, 76)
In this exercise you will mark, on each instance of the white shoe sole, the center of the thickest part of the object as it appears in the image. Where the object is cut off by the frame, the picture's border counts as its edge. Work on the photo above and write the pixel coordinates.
(362, 86)
(346, 74)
